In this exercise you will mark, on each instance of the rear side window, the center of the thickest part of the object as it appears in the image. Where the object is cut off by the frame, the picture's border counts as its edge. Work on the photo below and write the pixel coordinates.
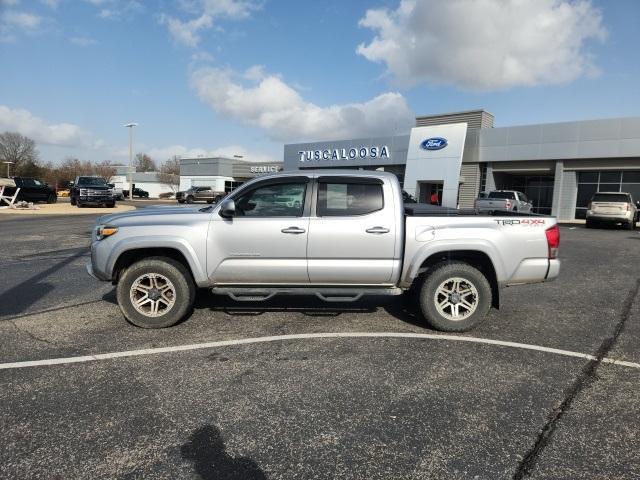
(346, 199)
(504, 195)
(611, 197)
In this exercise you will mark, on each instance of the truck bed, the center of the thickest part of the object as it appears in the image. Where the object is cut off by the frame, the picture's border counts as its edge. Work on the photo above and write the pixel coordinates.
(428, 210)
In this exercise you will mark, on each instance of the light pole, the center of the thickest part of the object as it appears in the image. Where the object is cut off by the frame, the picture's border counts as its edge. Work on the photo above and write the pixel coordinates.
(8, 163)
(130, 127)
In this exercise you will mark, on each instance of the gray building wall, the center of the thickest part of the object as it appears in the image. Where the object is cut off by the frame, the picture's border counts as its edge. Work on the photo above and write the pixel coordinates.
(223, 167)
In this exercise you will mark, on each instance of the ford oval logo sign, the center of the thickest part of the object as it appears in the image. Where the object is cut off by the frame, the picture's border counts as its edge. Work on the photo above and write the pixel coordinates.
(435, 143)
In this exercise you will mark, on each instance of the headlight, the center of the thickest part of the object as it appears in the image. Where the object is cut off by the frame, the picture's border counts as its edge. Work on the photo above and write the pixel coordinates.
(104, 231)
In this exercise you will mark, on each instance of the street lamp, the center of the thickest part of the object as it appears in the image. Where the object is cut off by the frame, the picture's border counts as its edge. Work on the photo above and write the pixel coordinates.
(8, 163)
(130, 127)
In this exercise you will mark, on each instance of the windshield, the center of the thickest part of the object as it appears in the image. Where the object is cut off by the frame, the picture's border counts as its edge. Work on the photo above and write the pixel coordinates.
(97, 181)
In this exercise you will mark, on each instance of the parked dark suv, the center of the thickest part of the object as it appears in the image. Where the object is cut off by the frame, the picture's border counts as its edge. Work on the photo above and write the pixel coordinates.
(137, 192)
(92, 191)
(199, 194)
(32, 190)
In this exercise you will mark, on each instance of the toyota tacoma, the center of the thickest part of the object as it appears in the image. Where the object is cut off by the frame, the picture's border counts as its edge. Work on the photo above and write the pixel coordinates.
(337, 235)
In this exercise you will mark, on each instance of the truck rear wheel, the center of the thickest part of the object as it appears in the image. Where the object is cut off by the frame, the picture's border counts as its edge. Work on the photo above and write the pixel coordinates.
(156, 292)
(455, 297)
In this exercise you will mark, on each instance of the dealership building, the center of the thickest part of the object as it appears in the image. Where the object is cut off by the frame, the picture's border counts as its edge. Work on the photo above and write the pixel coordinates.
(458, 156)
(222, 174)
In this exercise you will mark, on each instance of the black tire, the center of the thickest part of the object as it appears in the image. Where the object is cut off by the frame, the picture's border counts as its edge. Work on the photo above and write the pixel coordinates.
(588, 224)
(52, 198)
(181, 201)
(111, 205)
(209, 201)
(189, 199)
(73, 201)
(471, 277)
(628, 225)
(80, 204)
(176, 273)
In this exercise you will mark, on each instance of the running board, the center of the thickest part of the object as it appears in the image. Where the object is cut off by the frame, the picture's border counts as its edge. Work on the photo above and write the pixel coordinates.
(347, 294)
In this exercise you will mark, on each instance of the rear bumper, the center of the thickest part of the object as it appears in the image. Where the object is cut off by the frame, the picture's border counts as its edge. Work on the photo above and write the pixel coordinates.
(610, 217)
(554, 269)
(535, 270)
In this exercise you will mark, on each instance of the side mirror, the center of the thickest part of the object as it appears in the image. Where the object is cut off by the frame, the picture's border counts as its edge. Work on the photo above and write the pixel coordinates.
(227, 209)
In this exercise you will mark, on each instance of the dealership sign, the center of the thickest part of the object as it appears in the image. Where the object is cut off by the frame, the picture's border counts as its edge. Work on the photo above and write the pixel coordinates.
(352, 153)
(435, 143)
(264, 169)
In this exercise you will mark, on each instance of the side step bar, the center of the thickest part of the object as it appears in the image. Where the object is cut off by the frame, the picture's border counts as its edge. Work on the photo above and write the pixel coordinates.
(260, 294)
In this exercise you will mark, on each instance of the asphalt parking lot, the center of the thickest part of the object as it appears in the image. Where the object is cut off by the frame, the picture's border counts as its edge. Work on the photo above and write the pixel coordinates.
(309, 405)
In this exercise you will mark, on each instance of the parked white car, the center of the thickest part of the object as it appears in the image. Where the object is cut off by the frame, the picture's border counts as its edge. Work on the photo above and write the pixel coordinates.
(613, 207)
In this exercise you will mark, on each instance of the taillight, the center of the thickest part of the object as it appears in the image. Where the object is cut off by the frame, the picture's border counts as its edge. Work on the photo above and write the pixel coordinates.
(553, 240)
(628, 206)
(508, 205)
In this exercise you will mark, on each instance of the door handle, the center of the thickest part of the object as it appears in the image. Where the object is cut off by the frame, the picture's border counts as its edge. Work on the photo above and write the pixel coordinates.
(294, 230)
(377, 230)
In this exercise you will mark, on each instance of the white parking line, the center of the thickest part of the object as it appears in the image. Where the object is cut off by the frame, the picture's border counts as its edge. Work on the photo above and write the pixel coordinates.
(306, 336)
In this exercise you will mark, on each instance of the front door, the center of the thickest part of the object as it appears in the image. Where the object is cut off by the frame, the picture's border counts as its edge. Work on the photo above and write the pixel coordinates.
(266, 241)
(352, 236)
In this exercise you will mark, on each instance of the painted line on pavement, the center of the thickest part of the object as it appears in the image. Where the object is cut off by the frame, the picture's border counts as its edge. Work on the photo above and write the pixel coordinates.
(306, 336)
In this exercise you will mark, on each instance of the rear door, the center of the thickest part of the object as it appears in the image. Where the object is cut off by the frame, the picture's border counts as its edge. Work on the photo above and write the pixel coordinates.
(266, 242)
(352, 232)
(610, 203)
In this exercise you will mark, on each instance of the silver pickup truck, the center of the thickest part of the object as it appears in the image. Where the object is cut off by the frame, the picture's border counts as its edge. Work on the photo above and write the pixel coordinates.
(505, 201)
(338, 235)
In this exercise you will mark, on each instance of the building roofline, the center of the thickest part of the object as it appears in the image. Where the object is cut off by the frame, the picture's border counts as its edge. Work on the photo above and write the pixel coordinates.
(462, 112)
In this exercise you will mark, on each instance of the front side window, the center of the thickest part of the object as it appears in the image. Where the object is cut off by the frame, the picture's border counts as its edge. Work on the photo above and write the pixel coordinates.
(275, 200)
(346, 199)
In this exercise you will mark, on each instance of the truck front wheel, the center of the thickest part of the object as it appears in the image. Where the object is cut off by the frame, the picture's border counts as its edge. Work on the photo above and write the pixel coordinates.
(156, 292)
(455, 297)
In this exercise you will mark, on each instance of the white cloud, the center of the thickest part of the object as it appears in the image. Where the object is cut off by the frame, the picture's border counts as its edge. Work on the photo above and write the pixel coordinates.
(188, 32)
(51, 3)
(82, 41)
(163, 153)
(484, 45)
(117, 9)
(22, 121)
(271, 104)
(21, 20)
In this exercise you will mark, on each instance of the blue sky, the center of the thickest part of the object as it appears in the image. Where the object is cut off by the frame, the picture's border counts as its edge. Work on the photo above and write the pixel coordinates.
(245, 77)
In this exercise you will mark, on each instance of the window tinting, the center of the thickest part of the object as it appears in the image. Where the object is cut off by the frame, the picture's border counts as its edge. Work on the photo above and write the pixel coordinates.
(610, 197)
(504, 195)
(345, 199)
(275, 200)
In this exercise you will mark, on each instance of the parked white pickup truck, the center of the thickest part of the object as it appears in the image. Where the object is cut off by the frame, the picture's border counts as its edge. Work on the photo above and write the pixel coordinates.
(504, 201)
(339, 235)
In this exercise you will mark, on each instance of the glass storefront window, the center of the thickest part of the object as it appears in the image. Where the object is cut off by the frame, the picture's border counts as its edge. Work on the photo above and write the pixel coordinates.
(627, 181)
(631, 177)
(610, 177)
(588, 177)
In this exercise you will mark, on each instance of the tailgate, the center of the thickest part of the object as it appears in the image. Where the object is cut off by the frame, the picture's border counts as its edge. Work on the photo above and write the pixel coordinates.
(609, 207)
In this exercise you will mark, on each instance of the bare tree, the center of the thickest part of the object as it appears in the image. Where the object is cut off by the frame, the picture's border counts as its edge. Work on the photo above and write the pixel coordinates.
(144, 163)
(170, 173)
(20, 150)
(72, 167)
(105, 170)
